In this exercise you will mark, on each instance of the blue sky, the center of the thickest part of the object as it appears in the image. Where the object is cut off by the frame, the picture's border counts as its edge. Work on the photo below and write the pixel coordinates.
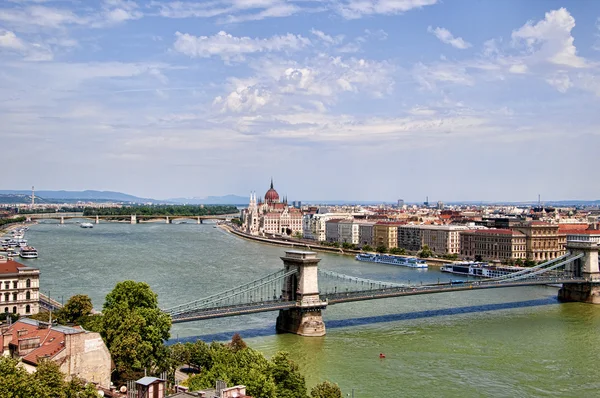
(336, 99)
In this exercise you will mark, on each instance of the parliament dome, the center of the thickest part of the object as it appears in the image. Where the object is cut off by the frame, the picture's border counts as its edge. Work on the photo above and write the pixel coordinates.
(271, 196)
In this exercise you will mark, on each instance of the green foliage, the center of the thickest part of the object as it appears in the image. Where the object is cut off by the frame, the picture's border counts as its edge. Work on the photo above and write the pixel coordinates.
(367, 248)
(452, 256)
(134, 328)
(5, 315)
(381, 249)
(289, 382)
(162, 210)
(425, 252)
(298, 235)
(348, 246)
(77, 307)
(236, 221)
(235, 363)
(398, 250)
(326, 390)
(6, 221)
(529, 263)
(46, 382)
(519, 262)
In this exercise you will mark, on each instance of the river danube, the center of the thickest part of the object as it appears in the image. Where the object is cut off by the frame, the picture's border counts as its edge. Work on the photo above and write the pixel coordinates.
(501, 342)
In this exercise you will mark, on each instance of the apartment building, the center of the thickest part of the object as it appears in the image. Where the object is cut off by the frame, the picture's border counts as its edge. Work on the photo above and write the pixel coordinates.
(410, 237)
(365, 233)
(19, 288)
(385, 234)
(313, 224)
(493, 244)
(442, 239)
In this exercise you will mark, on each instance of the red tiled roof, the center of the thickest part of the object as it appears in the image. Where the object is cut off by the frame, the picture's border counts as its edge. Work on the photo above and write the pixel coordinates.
(585, 232)
(51, 341)
(10, 267)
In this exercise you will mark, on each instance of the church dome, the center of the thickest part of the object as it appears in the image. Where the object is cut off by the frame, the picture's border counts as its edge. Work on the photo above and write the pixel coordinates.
(271, 196)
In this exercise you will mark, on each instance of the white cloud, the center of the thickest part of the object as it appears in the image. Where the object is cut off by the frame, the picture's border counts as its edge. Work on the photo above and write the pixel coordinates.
(446, 37)
(227, 46)
(560, 81)
(327, 38)
(518, 68)
(39, 16)
(352, 9)
(428, 76)
(30, 51)
(314, 84)
(550, 39)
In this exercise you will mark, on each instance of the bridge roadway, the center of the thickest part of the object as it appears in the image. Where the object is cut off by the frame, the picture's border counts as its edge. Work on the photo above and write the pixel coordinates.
(347, 297)
(58, 216)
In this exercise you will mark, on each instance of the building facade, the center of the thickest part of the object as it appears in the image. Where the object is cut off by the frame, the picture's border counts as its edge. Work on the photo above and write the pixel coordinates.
(19, 288)
(542, 240)
(76, 351)
(443, 239)
(410, 237)
(271, 216)
(385, 234)
(493, 244)
(365, 234)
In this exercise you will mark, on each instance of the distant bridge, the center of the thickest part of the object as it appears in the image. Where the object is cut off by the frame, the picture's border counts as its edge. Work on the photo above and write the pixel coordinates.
(132, 218)
(300, 291)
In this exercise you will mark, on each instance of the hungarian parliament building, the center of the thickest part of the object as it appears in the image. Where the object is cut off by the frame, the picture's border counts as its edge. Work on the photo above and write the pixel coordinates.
(271, 215)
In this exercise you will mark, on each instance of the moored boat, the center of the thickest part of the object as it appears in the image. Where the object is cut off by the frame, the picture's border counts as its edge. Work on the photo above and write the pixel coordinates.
(410, 262)
(86, 225)
(28, 252)
(479, 269)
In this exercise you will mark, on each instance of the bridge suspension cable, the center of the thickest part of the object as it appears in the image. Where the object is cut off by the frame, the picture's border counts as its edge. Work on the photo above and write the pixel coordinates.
(529, 270)
(542, 270)
(239, 292)
(370, 283)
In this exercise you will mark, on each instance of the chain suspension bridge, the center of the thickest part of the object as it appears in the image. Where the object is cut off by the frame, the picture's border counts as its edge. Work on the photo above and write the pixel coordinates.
(300, 291)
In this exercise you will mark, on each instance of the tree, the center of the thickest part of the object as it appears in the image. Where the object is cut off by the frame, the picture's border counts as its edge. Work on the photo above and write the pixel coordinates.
(76, 307)
(289, 382)
(381, 249)
(398, 250)
(519, 262)
(46, 382)
(237, 343)
(367, 248)
(425, 252)
(134, 328)
(326, 390)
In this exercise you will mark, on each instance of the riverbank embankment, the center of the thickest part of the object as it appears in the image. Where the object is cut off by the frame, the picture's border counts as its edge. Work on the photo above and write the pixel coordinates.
(313, 247)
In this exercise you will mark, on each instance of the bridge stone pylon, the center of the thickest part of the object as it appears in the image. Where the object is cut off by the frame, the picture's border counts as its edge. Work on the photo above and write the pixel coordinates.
(305, 319)
(586, 267)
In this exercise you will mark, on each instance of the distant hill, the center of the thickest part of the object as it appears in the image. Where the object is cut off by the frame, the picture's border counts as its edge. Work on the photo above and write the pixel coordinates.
(213, 200)
(74, 196)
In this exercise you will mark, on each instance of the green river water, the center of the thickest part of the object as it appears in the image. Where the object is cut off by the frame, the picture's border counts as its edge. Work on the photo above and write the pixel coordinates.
(512, 342)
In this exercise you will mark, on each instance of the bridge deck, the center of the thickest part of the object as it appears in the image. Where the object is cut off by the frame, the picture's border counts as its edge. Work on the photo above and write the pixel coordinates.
(346, 297)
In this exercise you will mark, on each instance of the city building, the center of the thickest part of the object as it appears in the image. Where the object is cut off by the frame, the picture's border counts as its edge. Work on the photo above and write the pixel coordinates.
(271, 216)
(313, 224)
(19, 288)
(410, 237)
(76, 351)
(493, 244)
(332, 230)
(442, 239)
(365, 233)
(400, 203)
(385, 234)
(542, 240)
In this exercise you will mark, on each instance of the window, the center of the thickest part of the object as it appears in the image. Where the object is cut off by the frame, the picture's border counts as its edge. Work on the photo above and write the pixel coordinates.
(14, 296)
(7, 285)
(15, 284)
(27, 309)
(28, 283)
(27, 296)
(5, 309)
(14, 310)
(6, 297)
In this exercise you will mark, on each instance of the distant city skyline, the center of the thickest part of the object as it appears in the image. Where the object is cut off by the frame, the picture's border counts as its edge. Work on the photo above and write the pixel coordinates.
(361, 99)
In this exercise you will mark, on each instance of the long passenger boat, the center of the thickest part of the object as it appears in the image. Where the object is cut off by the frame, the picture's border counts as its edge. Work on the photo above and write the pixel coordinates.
(479, 269)
(410, 262)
